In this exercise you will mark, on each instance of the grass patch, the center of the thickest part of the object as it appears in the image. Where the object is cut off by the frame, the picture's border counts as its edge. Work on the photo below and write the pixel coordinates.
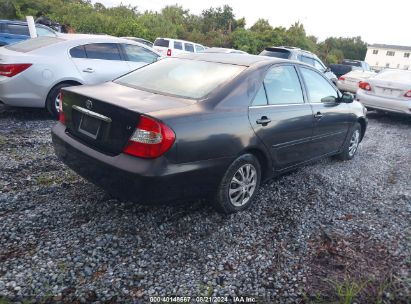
(3, 141)
(44, 180)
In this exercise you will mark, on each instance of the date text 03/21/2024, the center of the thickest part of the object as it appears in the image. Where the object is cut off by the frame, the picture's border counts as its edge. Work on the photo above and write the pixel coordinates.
(202, 299)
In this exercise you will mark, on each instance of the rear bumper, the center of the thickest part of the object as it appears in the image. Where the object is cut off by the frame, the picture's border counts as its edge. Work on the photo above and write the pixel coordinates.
(19, 92)
(384, 103)
(136, 179)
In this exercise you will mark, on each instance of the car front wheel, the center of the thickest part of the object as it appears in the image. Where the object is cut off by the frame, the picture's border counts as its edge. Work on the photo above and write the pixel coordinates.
(239, 184)
(351, 146)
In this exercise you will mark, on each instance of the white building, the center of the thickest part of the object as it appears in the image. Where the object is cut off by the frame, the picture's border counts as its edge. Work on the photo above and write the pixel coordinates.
(380, 56)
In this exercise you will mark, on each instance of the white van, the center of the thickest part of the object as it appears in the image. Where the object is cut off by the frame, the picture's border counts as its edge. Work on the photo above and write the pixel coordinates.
(171, 47)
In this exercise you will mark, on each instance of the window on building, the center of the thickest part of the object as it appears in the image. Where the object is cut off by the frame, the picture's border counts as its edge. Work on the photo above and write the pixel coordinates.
(407, 55)
(390, 53)
(387, 65)
(375, 52)
(406, 67)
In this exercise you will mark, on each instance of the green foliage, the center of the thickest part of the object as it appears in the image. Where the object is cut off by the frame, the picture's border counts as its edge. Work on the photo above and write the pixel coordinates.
(213, 27)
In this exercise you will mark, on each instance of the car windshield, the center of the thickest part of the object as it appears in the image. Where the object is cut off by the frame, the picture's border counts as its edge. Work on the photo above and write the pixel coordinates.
(181, 77)
(33, 44)
(392, 75)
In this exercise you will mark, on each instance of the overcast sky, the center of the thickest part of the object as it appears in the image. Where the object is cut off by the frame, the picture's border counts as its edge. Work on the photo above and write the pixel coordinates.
(375, 21)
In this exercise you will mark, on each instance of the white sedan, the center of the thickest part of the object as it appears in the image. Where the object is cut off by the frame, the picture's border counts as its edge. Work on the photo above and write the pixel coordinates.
(349, 82)
(32, 72)
(390, 90)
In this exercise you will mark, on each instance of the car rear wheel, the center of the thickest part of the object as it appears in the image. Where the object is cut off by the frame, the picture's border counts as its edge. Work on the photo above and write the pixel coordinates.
(351, 146)
(52, 102)
(239, 185)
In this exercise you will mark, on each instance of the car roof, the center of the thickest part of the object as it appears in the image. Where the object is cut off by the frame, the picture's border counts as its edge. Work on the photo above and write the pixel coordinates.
(19, 22)
(244, 59)
(13, 21)
(88, 37)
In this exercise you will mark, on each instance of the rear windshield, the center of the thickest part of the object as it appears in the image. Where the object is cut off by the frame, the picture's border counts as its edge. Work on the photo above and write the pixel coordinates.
(33, 44)
(393, 75)
(352, 63)
(181, 77)
(279, 53)
(162, 42)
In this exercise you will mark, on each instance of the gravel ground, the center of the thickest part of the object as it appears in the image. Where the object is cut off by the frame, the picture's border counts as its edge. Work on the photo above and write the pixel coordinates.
(320, 233)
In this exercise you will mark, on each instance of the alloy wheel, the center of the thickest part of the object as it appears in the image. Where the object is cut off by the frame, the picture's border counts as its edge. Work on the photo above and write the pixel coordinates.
(243, 185)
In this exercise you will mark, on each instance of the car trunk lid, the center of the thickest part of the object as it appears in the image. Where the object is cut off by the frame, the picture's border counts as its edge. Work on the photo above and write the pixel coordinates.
(388, 88)
(105, 116)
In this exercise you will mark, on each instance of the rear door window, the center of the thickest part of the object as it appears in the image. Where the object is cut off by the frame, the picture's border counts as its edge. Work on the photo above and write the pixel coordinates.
(139, 54)
(261, 98)
(17, 29)
(283, 85)
(78, 52)
(178, 45)
(104, 51)
(189, 47)
(162, 42)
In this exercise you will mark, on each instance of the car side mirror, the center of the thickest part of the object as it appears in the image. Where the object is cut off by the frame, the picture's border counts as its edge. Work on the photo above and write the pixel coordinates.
(329, 99)
(347, 97)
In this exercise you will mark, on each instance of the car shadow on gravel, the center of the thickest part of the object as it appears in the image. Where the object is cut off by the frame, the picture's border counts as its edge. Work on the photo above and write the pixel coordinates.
(24, 113)
(390, 118)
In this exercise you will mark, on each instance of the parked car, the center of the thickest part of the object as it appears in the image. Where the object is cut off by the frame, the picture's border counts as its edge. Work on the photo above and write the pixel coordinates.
(172, 47)
(293, 53)
(32, 72)
(223, 50)
(389, 90)
(12, 31)
(348, 65)
(141, 40)
(212, 125)
(349, 82)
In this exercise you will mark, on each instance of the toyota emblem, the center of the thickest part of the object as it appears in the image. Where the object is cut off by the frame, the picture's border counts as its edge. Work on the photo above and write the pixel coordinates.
(89, 104)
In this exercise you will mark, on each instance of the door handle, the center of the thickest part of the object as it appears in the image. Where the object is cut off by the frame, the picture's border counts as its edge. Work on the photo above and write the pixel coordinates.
(88, 70)
(318, 115)
(264, 120)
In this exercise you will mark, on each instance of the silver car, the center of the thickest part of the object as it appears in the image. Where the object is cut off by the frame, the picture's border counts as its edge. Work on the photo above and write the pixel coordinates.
(294, 53)
(390, 90)
(32, 72)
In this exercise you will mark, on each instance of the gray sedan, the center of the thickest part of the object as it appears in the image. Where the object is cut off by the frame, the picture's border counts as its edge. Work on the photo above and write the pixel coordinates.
(32, 72)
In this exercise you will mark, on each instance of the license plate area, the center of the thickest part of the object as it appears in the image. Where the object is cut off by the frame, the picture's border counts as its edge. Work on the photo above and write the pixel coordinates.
(89, 126)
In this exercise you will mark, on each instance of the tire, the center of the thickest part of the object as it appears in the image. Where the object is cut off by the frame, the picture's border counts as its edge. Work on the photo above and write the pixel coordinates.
(51, 105)
(351, 146)
(246, 167)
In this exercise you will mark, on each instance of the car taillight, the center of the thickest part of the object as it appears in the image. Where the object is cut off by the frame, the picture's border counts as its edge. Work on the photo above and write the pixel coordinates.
(408, 94)
(151, 139)
(364, 85)
(169, 52)
(62, 118)
(10, 70)
(342, 78)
